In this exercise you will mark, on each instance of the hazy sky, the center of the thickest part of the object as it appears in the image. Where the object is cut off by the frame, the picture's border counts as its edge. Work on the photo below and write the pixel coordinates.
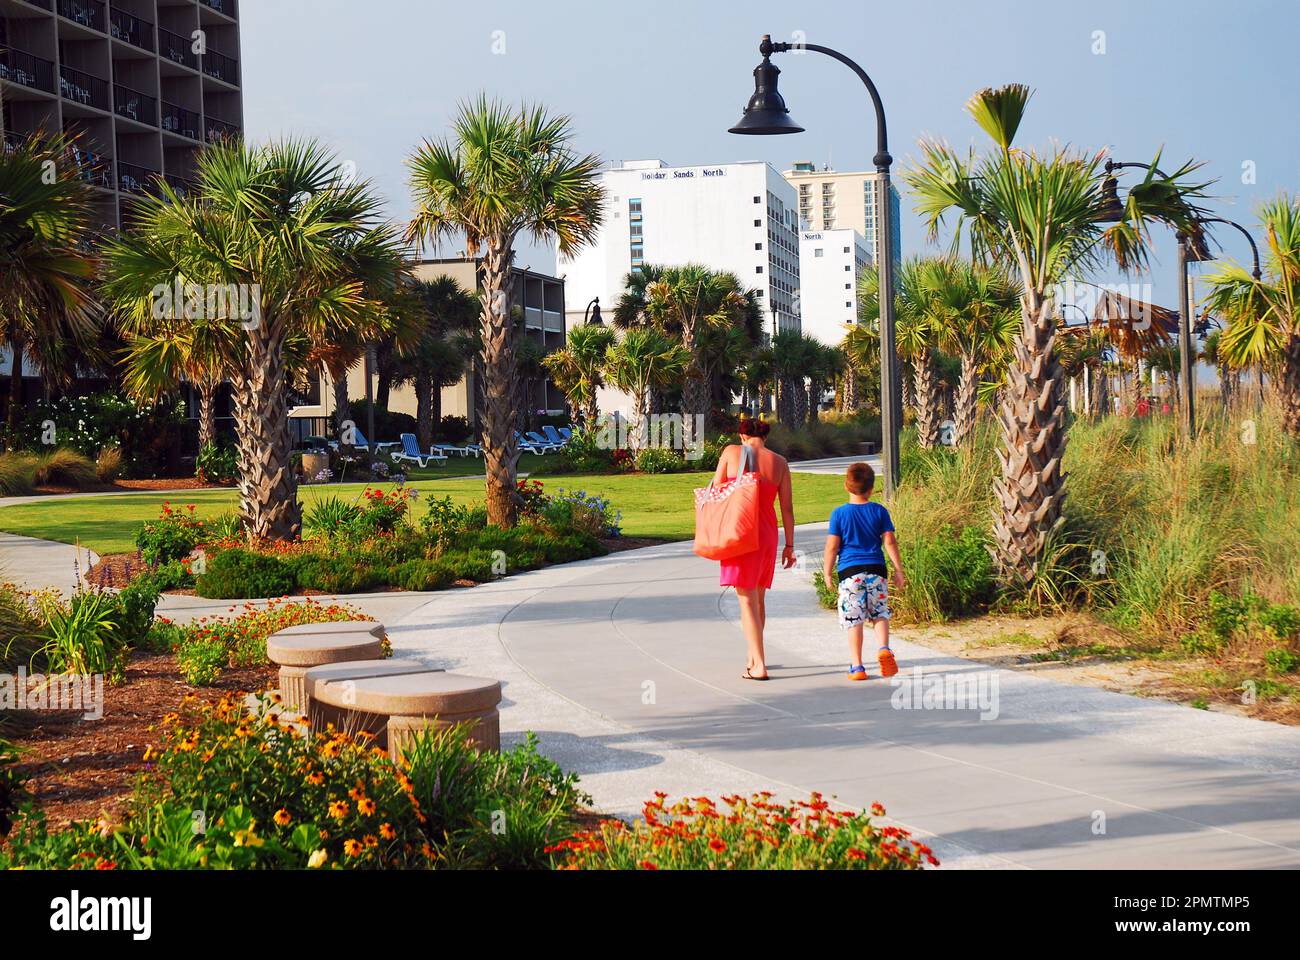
(1209, 79)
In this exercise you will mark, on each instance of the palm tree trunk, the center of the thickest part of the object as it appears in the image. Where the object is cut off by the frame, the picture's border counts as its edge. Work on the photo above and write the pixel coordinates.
(909, 393)
(967, 401)
(424, 410)
(927, 401)
(207, 391)
(15, 393)
(268, 490)
(695, 393)
(1289, 383)
(850, 390)
(798, 404)
(1031, 489)
(500, 451)
(342, 408)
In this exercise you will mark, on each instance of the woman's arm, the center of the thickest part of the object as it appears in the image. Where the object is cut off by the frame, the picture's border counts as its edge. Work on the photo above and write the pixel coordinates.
(721, 475)
(787, 517)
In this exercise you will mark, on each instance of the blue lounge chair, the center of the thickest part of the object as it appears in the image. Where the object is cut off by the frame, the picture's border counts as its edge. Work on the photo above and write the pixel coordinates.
(410, 453)
(554, 435)
(363, 444)
(566, 433)
(529, 445)
(537, 440)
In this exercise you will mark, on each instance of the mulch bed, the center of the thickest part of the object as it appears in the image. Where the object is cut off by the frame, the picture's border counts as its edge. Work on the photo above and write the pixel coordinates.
(82, 768)
(135, 486)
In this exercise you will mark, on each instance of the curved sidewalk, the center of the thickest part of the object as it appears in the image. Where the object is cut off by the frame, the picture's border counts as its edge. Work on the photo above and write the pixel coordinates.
(1064, 776)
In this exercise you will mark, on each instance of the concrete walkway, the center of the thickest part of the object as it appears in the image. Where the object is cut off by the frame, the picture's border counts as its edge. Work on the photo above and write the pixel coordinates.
(36, 564)
(628, 668)
(836, 465)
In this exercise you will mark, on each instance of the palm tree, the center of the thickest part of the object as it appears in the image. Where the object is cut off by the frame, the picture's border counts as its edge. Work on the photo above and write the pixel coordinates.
(579, 370)
(1229, 378)
(692, 299)
(47, 309)
(1083, 352)
(505, 173)
(283, 230)
(1041, 216)
(917, 337)
(441, 311)
(759, 377)
(861, 347)
(163, 356)
(643, 360)
(974, 311)
(1263, 316)
(792, 354)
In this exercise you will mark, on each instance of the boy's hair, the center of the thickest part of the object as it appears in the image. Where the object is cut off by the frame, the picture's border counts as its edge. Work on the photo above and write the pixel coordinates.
(860, 479)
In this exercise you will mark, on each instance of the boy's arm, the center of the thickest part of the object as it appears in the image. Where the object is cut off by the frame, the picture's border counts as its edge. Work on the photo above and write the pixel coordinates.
(828, 559)
(895, 558)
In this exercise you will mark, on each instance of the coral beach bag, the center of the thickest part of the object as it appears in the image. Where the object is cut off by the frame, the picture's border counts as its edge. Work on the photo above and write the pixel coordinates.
(726, 516)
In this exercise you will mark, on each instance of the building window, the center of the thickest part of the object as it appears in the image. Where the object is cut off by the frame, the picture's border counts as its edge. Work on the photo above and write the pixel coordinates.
(758, 269)
(758, 199)
(819, 252)
(758, 246)
(758, 223)
(847, 250)
(847, 268)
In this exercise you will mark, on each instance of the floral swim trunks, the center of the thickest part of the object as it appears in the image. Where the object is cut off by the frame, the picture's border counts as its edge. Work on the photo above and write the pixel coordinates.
(864, 598)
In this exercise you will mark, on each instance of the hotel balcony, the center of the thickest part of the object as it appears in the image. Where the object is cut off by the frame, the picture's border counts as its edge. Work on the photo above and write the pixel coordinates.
(135, 179)
(26, 70)
(130, 29)
(81, 88)
(91, 14)
(135, 105)
(219, 130)
(177, 49)
(182, 122)
(221, 67)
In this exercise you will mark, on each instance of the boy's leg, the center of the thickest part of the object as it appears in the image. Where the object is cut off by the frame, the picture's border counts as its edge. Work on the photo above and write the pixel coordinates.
(855, 645)
(882, 634)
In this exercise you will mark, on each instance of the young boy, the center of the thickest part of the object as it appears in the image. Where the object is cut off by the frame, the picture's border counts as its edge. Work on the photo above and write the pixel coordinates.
(861, 534)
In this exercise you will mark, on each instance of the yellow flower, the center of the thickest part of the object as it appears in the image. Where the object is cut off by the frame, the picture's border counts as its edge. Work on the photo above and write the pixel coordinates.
(317, 860)
(338, 809)
(387, 832)
(352, 848)
(370, 841)
(316, 779)
(282, 817)
(366, 807)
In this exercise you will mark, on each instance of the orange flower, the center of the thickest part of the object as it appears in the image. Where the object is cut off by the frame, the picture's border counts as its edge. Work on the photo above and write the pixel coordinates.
(282, 817)
(366, 807)
(338, 809)
(352, 848)
(387, 832)
(717, 845)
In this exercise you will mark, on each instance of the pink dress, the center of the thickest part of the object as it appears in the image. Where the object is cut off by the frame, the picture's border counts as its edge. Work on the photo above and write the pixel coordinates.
(753, 570)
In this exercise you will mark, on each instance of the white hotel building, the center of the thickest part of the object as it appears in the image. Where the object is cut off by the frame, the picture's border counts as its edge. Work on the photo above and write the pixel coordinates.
(832, 261)
(740, 217)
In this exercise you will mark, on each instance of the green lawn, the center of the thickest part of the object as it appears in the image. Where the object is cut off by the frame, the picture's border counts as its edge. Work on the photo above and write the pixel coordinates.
(657, 506)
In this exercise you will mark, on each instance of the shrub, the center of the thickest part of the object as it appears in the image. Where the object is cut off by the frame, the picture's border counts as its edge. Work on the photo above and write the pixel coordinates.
(65, 468)
(1281, 660)
(576, 511)
(216, 463)
(421, 576)
(330, 515)
(12, 785)
(657, 460)
(201, 661)
(947, 575)
(84, 635)
(244, 638)
(756, 834)
(136, 604)
(445, 520)
(17, 474)
(173, 536)
(110, 465)
(19, 628)
(582, 454)
(240, 574)
(148, 435)
(454, 429)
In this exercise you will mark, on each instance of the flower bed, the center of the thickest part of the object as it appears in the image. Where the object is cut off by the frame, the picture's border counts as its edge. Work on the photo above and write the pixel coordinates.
(228, 790)
(750, 834)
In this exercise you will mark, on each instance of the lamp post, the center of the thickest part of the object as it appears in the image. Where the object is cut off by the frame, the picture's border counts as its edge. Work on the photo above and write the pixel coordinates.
(592, 313)
(765, 115)
(1191, 249)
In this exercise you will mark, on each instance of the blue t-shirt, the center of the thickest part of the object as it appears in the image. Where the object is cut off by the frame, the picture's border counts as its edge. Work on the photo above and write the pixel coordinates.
(861, 528)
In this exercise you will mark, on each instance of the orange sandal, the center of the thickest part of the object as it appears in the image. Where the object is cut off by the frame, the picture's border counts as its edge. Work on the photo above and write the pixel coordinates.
(888, 665)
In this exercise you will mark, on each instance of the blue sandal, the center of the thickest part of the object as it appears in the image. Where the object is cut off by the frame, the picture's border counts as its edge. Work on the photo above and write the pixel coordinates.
(857, 673)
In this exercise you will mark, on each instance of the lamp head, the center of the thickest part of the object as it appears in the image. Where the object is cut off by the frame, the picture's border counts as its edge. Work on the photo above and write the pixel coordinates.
(766, 113)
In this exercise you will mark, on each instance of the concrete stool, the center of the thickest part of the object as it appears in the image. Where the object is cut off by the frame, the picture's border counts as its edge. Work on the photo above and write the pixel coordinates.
(345, 674)
(297, 653)
(396, 708)
(341, 626)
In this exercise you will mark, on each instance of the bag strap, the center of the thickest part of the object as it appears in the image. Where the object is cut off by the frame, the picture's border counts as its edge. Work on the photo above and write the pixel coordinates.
(748, 460)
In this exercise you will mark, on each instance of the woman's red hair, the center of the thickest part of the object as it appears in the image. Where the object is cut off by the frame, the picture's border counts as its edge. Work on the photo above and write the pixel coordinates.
(755, 428)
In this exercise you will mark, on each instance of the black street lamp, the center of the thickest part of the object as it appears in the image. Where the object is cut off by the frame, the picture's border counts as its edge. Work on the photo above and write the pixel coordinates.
(1191, 249)
(766, 114)
(592, 314)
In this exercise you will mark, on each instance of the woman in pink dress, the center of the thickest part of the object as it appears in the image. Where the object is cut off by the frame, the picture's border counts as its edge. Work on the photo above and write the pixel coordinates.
(752, 573)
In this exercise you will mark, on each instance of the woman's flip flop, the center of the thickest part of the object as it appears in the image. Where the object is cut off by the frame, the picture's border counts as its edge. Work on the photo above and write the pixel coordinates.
(749, 676)
(888, 665)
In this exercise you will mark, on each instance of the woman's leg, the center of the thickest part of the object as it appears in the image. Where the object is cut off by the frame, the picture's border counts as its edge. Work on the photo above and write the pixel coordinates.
(750, 621)
(762, 612)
